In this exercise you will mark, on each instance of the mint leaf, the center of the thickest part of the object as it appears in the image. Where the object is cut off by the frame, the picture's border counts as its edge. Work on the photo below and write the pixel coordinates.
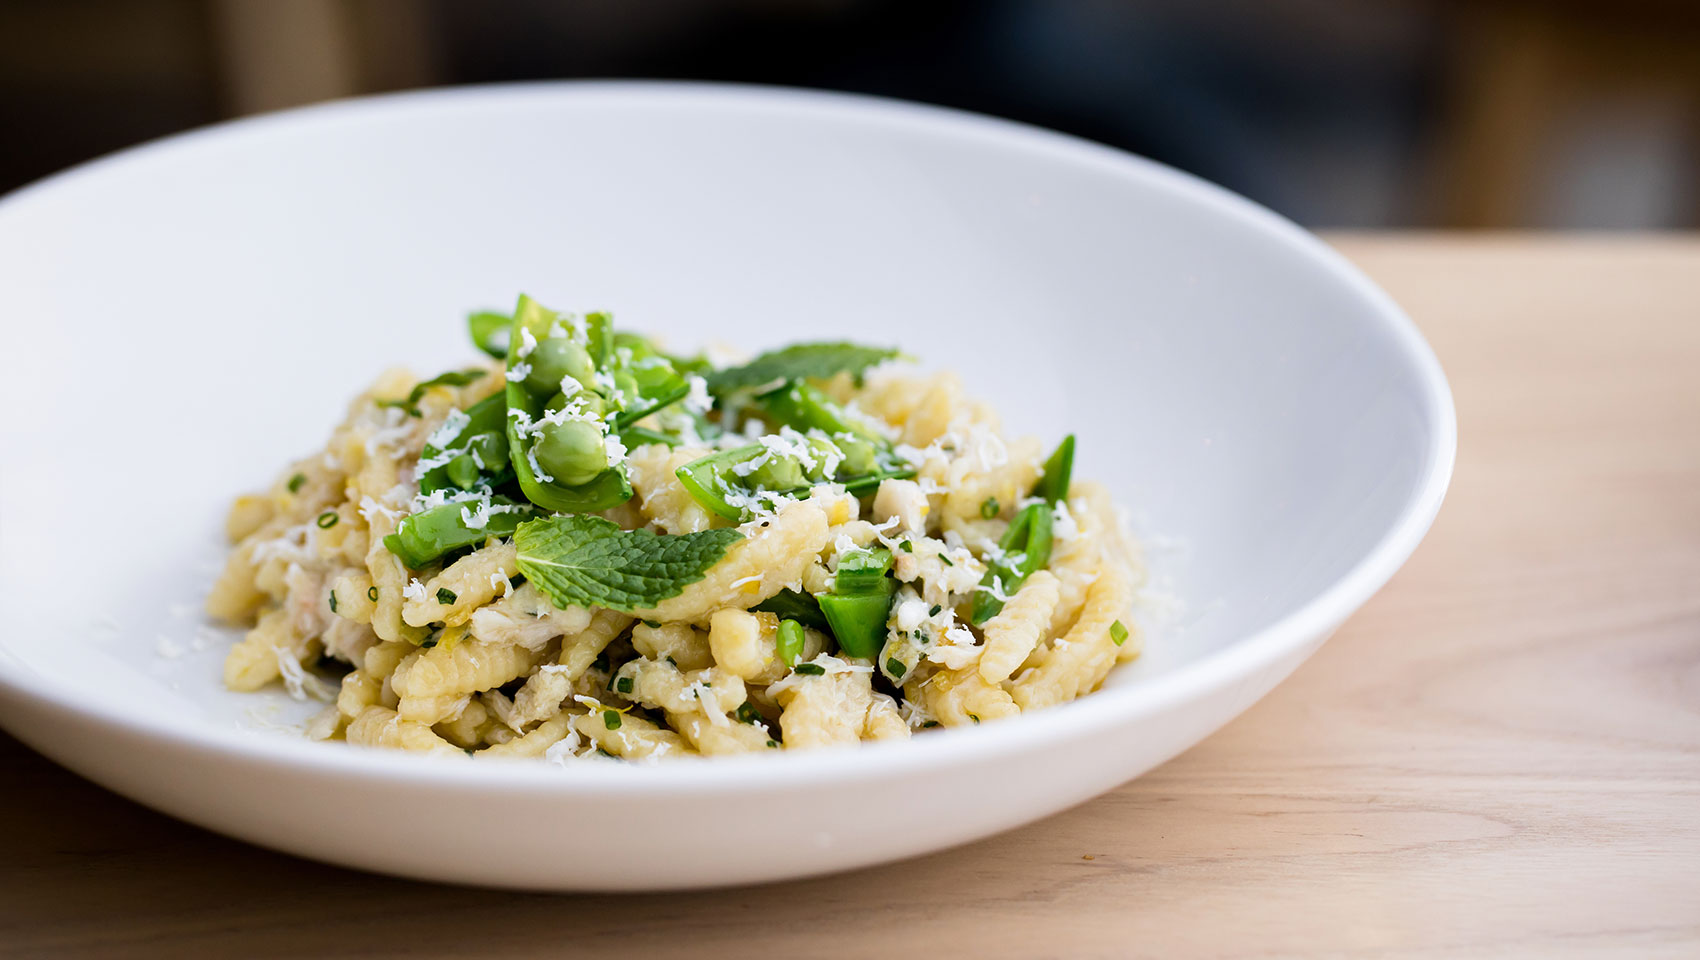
(586, 561)
(799, 361)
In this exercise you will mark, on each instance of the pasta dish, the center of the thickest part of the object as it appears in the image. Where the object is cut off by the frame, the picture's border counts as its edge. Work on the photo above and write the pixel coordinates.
(585, 547)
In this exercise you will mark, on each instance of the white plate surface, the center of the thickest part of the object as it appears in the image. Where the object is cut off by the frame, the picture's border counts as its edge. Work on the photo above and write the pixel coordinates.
(184, 317)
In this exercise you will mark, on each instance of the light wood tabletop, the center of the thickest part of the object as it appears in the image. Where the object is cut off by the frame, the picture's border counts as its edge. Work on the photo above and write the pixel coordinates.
(1499, 756)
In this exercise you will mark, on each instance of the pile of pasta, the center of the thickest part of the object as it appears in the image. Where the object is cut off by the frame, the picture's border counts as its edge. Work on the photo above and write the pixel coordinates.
(507, 673)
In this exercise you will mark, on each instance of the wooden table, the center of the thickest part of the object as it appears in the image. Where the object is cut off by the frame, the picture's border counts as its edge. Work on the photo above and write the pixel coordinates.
(1500, 756)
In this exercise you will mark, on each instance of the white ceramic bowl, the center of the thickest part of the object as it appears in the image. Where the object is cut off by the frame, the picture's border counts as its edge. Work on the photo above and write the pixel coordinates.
(182, 317)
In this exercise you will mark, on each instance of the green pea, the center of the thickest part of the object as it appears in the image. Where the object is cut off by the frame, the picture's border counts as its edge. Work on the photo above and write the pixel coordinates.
(571, 452)
(462, 471)
(823, 451)
(553, 359)
(778, 474)
(492, 448)
(859, 455)
(589, 400)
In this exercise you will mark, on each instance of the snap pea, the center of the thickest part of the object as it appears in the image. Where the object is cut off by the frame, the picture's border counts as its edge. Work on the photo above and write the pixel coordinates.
(1059, 468)
(483, 435)
(489, 332)
(868, 456)
(1025, 549)
(859, 603)
(427, 535)
(645, 377)
(790, 604)
(580, 489)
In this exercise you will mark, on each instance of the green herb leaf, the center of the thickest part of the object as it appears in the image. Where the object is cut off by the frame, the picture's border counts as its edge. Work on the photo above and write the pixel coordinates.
(810, 669)
(747, 713)
(587, 561)
(296, 481)
(798, 362)
(445, 596)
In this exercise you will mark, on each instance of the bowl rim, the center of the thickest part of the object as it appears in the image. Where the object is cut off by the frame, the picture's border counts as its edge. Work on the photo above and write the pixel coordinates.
(953, 748)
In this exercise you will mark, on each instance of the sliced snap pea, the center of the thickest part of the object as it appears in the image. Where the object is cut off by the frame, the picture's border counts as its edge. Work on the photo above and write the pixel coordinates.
(427, 535)
(1026, 548)
(580, 489)
(489, 332)
(859, 603)
(1059, 469)
(484, 434)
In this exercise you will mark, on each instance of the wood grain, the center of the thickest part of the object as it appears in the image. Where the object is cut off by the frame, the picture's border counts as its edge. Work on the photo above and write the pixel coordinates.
(1500, 756)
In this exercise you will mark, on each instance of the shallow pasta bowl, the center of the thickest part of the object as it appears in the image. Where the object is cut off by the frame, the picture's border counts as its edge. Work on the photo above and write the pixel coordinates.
(186, 316)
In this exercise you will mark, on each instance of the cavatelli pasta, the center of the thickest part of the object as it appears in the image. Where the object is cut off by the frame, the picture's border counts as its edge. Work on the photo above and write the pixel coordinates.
(401, 551)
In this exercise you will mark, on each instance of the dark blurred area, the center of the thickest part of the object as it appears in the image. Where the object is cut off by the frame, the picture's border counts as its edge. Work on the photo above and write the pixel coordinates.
(1338, 113)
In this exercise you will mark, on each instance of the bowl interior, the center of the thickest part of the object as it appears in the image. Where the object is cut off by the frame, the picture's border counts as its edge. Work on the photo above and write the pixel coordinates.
(187, 317)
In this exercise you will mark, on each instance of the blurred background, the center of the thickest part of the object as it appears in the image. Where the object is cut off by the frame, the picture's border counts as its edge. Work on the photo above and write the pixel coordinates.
(1338, 113)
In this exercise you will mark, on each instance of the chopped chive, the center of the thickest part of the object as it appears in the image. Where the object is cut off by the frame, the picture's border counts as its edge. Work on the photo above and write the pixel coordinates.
(989, 508)
(624, 685)
(747, 713)
(895, 667)
(945, 560)
(327, 520)
(773, 744)
(921, 637)
(810, 669)
(651, 624)
(935, 610)
(611, 719)
(296, 481)
(372, 594)
(974, 717)
(929, 723)
(601, 661)
(333, 601)
(445, 596)
(428, 642)
(469, 750)
(906, 547)
(1118, 633)
(606, 754)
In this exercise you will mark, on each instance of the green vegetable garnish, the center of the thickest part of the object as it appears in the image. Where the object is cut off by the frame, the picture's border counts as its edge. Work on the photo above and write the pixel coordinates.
(989, 508)
(333, 601)
(789, 604)
(427, 535)
(1059, 468)
(445, 596)
(623, 685)
(799, 361)
(895, 667)
(860, 601)
(747, 713)
(473, 457)
(490, 332)
(1025, 548)
(590, 562)
(454, 378)
(327, 520)
(611, 719)
(296, 481)
(790, 642)
(829, 445)
(810, 669)
(1118, 633)
(372, 594)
